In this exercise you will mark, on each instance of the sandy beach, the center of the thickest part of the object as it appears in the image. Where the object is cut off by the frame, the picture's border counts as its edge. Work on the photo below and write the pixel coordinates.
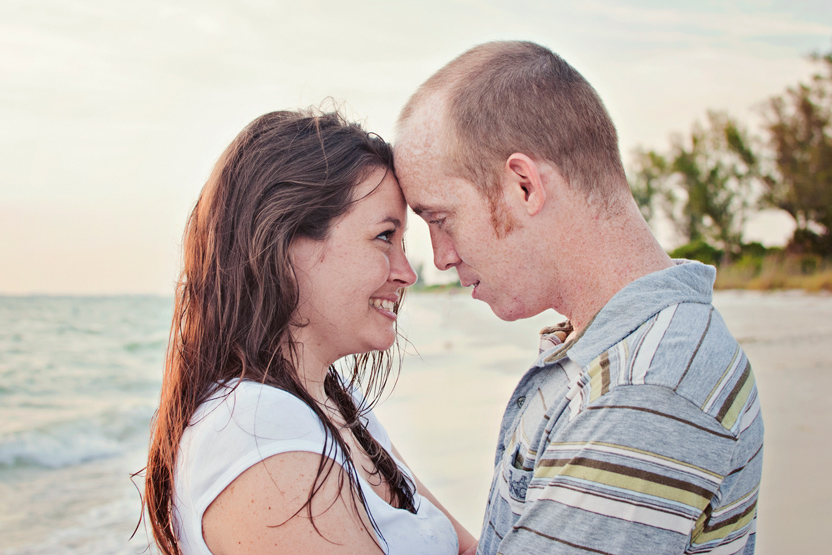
(445, 411)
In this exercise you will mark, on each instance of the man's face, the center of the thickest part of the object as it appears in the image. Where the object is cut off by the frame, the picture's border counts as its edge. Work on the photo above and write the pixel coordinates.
(463, 235)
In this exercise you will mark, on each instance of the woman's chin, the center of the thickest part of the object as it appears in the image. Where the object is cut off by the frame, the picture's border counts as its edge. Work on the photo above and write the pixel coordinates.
(382, 342)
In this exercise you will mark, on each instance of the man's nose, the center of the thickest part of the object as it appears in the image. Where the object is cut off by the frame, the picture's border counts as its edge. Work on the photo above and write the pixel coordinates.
(445, 256)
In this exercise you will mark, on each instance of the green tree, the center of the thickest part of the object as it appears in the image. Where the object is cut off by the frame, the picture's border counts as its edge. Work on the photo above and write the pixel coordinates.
(799, 124)
(704, 184)
(648, 172)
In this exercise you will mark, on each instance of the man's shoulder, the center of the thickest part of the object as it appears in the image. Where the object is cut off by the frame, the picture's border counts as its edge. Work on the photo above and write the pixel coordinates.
(680, 367)
(686, 349)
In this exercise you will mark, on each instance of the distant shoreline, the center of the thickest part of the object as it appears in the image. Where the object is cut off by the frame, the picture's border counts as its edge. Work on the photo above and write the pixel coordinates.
(420, 287)
(775, 274)
(767, 275)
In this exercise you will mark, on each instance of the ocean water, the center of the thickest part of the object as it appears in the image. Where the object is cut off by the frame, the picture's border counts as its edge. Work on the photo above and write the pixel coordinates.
(79, 380)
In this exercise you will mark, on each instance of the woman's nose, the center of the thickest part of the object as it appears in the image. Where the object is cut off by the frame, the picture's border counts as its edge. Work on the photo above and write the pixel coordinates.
(401, 270)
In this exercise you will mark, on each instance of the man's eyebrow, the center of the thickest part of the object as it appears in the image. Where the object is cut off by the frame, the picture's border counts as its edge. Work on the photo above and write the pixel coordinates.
(419, 210)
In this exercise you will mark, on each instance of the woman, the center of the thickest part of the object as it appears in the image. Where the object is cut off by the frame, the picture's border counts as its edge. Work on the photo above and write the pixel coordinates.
(293, 259)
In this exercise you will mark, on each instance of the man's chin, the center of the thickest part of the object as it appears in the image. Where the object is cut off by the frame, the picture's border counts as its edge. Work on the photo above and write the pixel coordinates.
(512, 312)
(507, 314)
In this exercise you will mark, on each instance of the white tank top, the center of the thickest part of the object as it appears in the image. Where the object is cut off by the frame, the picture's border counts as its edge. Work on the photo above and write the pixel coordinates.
(230, 433)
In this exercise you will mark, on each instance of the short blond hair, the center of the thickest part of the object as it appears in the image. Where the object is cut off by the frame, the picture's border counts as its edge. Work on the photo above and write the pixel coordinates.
(514, 96)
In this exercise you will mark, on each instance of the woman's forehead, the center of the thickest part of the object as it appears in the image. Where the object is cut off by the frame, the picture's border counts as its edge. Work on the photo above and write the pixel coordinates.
(379, 193)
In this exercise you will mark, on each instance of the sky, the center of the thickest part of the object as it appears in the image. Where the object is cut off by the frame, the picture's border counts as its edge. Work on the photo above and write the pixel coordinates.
(112, 114)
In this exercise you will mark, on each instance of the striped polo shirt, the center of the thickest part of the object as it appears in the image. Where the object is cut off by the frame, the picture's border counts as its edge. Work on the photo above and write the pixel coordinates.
(642, 435)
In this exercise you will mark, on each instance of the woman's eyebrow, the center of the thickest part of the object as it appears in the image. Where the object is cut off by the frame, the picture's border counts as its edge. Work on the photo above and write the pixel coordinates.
(395, 221)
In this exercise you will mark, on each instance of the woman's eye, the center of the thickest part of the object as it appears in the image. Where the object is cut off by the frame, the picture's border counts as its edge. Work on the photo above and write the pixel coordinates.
(386, 236)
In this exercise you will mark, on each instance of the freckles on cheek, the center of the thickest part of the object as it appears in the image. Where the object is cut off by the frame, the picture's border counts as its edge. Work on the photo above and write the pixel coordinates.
(375, 267)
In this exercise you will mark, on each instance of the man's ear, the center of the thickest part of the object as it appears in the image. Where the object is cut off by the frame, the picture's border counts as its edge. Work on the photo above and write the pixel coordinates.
(523, 184)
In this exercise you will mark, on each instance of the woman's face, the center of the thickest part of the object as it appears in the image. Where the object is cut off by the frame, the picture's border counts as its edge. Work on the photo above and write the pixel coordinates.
(350, 281)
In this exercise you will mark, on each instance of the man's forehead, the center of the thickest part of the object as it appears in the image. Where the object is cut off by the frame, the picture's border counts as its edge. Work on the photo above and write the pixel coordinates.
(427, 190)
(418, 156)
(420, 132)
(418, 166)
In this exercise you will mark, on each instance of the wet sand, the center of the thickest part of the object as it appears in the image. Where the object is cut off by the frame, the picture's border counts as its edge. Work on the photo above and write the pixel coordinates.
(445, 411)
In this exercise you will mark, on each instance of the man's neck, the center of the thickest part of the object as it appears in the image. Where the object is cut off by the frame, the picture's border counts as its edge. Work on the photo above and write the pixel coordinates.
(611, 254)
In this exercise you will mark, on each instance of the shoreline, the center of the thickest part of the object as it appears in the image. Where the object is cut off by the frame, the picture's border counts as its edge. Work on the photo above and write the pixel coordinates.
(728, 278)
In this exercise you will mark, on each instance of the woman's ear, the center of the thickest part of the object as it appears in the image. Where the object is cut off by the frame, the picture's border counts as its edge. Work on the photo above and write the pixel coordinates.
(523, 184)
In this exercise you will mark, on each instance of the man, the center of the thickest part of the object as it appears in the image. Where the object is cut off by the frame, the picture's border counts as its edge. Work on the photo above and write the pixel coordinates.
(638, 428)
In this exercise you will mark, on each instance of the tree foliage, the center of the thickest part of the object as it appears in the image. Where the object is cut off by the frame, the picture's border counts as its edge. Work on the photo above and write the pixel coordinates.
(703, 184)
(706, 182)
(649, 171)
(799, 124)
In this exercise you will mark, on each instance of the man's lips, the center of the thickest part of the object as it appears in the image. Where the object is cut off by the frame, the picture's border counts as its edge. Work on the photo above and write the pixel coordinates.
(473, 283)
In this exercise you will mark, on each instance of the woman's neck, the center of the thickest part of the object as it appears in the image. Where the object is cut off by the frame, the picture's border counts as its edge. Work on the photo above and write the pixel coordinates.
(312, 370)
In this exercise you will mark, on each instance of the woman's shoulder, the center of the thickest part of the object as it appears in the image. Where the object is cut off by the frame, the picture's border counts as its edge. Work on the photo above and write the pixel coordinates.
(251, 395)
(253, 414)
(241, 424)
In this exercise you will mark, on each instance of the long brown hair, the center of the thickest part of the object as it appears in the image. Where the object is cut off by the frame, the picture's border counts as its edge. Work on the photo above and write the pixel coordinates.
(286, 175)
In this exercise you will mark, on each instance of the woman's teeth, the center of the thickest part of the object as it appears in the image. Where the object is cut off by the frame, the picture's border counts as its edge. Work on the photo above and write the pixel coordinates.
(382, 304)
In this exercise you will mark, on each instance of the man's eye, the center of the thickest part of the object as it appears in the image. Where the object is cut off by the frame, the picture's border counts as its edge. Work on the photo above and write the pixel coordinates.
(437, 221)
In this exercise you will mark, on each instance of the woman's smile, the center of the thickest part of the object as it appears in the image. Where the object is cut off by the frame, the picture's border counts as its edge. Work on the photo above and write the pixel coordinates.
(385, 306)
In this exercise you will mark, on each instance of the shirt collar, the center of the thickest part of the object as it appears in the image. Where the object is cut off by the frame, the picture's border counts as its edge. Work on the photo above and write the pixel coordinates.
(686, 281)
